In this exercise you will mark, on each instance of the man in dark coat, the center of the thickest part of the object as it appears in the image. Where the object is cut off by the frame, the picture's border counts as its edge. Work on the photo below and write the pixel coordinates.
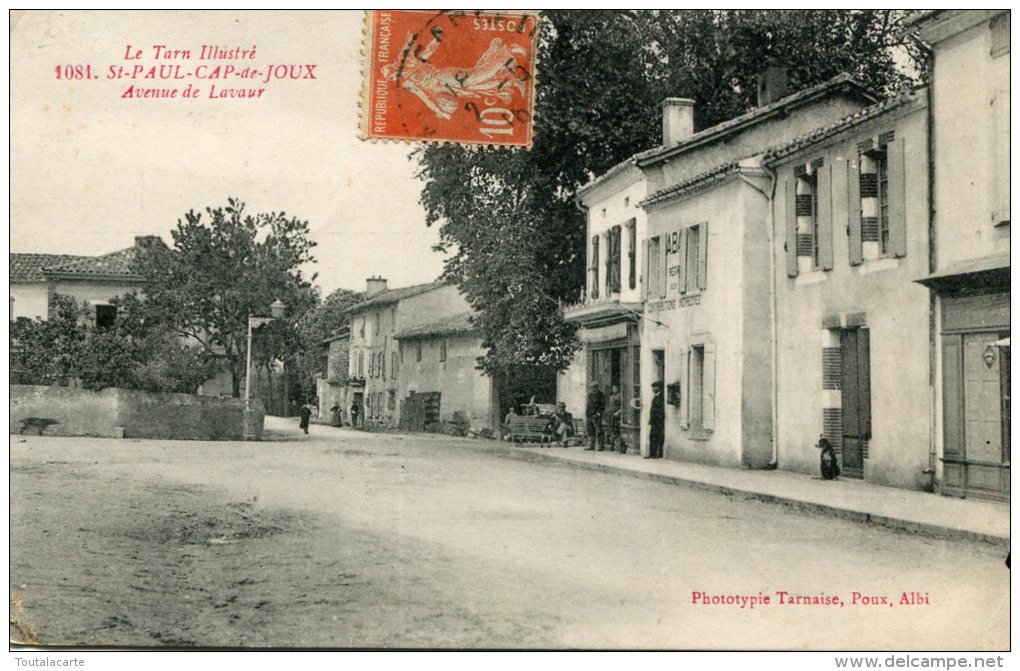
(593, 416)
(656, 422)
(306, 416)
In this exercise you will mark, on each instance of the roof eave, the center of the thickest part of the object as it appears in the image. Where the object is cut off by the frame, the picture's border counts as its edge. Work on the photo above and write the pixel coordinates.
(654, 157)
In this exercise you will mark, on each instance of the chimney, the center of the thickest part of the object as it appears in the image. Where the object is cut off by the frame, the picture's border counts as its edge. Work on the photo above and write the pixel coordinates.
(374, 285)
(773, 84)
(147, 241)
(677, 120)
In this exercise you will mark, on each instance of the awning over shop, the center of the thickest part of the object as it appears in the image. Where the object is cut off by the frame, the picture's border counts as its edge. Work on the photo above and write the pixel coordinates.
(987, 272)
(1001, 343)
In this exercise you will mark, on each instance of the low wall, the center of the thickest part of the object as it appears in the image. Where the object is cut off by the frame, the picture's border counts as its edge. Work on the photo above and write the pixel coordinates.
(65, 411)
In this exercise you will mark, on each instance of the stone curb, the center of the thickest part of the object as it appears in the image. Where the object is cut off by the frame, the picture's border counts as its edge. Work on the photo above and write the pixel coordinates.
(910, 526)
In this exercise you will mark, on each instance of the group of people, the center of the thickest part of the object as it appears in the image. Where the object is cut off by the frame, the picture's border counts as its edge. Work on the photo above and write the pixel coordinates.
(604, 418)
(336, 415)
(604, 421)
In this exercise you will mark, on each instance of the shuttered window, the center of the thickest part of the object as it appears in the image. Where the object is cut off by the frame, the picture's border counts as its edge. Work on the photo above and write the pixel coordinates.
(691, 262)
(877, 202)
(393, 365)
(653, 262)
(595, 266)
(613, 260)
(700, 391)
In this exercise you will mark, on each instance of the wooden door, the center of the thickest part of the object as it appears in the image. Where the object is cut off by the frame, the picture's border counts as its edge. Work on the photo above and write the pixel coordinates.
(982, 411)
(856, 398)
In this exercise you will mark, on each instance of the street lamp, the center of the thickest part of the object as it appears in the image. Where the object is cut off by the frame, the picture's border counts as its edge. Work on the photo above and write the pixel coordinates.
(277, 309)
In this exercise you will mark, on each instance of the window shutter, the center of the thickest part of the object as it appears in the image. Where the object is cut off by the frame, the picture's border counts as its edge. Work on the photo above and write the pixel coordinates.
(703, 255)
(791, 227)
(853, 184)
(952, 395)
(685, 389)
(897, 199)
(824, 215)
(663, 277)
(616, 258)
(644, 270)
(632, 253)
(864, 381)
(681, 264)
(708, 388)
(595, 266)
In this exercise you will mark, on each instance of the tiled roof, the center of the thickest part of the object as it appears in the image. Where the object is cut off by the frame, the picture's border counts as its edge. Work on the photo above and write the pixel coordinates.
(776, 154)
(606, 176)
(461, 323)
(843, 82)
(115, 264)
(680, 188)
(28, 267)
(394, 295)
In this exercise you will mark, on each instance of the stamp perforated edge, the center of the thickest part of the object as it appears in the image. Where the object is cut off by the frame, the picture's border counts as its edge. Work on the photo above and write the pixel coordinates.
(366, 90)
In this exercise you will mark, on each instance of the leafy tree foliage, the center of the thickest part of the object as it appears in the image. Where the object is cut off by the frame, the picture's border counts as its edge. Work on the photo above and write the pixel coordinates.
(135, 353)
(225, 265)
(508, 218)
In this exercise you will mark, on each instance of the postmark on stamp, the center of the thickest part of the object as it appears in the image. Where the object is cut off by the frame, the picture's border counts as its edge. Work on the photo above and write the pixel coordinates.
(451, 76)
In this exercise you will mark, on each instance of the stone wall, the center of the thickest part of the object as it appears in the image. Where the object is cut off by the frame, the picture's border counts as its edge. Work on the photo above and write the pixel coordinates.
(65, 411)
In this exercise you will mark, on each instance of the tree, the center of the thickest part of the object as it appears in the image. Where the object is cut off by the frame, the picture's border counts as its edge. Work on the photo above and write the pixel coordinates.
(49, 351)
(225, 265)
(134, 353)
(508, 220)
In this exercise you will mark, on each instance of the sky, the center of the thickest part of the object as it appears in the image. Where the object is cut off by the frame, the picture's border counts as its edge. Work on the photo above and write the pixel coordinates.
(90, 170)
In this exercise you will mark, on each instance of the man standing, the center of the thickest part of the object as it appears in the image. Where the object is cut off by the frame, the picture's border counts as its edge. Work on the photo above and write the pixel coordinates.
(593, 416)
(614, 407)
(306, 416)
(656, 422)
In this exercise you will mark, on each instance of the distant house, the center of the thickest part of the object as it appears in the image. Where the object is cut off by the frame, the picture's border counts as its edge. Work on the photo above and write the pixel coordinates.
(331, 387)
(93, 280)
(414, 349)
(439, 370)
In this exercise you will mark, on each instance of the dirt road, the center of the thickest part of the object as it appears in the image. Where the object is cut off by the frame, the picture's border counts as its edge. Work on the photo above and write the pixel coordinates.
(344, 539)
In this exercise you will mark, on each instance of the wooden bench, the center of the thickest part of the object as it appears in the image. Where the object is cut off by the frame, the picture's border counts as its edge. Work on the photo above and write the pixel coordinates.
(528, 428)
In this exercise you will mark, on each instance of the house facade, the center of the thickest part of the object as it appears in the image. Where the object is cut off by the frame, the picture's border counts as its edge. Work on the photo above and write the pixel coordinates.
(609, 314)
(708, 333)
(397, 338)
(439, 385)
(92, 280)
(331, 386)
(850, 224)
(969, 271)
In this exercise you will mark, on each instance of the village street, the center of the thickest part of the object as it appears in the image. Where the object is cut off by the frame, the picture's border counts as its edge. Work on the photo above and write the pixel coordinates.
(348, 539)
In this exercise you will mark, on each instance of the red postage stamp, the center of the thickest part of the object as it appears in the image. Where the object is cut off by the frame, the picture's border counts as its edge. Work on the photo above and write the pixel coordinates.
(452, 76)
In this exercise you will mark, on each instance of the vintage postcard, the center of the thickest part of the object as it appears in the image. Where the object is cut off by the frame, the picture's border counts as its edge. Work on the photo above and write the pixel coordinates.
(511, 330)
